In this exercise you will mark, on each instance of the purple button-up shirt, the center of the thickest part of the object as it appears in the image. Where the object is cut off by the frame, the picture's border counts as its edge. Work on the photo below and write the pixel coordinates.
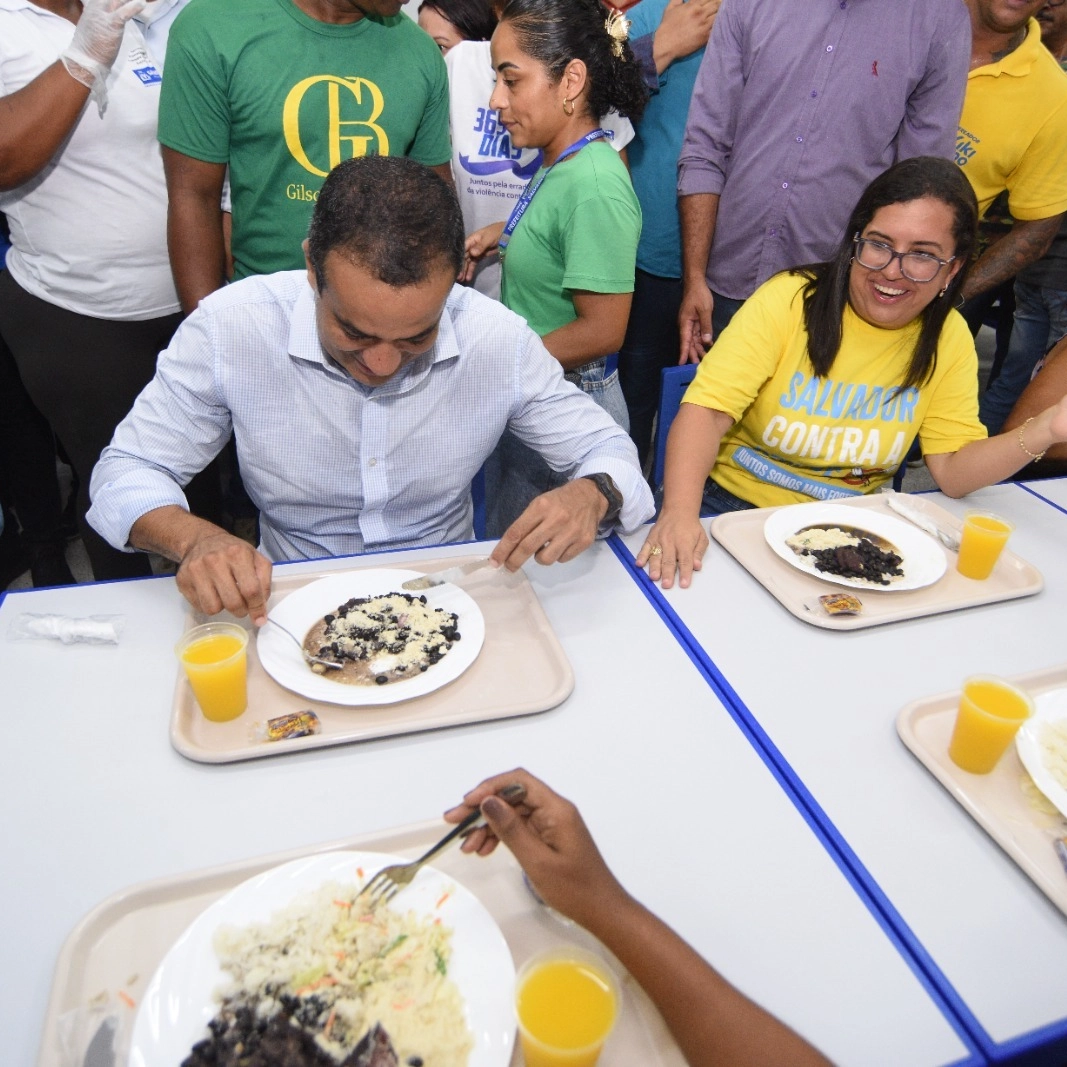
(799, 104)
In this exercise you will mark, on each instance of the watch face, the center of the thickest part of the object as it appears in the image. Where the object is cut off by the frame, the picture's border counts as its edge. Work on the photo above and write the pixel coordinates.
(610, 492)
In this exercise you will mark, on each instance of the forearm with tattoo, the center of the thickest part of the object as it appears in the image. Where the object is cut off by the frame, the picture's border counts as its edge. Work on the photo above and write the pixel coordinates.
(1026, 243)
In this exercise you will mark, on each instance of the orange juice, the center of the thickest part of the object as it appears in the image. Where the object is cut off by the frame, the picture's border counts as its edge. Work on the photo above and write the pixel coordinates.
(215, 661)
(991, 712)
(983, 539)
(567, 1004)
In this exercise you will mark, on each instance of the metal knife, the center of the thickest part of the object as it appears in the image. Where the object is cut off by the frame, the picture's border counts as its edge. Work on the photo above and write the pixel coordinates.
(948, 538)
(101, 1050)
(429, 581)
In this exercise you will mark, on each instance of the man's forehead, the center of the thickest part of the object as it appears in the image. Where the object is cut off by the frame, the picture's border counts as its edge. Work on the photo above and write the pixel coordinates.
(374, 308)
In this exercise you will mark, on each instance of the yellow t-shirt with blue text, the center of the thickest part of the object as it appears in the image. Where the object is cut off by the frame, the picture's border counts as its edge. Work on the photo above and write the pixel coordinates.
(797, 437)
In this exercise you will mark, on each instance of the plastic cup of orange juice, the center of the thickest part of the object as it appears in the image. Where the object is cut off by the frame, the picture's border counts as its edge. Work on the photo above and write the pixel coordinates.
(215, 659)
(983, 539)
(567, 1001)
(990, 714)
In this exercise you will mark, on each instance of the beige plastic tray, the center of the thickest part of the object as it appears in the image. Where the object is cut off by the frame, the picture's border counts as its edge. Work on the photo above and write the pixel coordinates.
(521, 670)
(109, 958)
(741, 534)
(996, 801)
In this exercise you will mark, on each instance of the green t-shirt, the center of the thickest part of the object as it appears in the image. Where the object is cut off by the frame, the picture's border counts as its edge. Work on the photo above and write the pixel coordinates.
(579, 232)
(283, 98)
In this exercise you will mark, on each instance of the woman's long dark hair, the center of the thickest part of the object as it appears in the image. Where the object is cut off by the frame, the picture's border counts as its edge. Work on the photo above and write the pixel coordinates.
(474, 19)
(556, 31)
(826, 293)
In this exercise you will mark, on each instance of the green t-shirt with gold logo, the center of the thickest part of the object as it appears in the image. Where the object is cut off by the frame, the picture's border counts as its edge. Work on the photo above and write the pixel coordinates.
(283, 98)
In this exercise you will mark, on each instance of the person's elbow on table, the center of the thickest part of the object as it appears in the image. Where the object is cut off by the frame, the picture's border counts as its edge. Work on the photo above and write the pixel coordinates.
(557, 526)
(216, 570)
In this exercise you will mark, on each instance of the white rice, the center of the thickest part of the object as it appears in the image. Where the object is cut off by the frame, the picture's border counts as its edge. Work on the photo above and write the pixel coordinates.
(361, 966)
(1053, 743)
(818, 538)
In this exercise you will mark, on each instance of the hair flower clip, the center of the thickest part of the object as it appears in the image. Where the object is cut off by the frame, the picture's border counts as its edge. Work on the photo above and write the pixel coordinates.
(618, 27)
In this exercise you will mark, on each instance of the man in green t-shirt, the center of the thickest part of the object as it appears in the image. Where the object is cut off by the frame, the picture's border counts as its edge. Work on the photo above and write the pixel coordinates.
(280, 91)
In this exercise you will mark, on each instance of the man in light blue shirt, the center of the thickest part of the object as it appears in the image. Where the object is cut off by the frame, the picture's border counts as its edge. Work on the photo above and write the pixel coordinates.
(364, 396)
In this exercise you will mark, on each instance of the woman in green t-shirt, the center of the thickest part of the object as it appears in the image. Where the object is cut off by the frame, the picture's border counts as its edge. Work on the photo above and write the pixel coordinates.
(569, 248)
(828, 372)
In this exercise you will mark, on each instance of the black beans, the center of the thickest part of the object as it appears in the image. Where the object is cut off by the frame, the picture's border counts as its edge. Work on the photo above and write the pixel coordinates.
(863, 560)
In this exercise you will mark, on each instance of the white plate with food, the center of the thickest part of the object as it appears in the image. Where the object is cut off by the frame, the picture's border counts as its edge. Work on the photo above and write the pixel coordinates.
(1042, 746)
(877, 551)
(306, 609)
(432, 966)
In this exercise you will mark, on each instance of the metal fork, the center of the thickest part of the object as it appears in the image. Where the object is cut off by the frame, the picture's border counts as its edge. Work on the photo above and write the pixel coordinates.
(390, 880)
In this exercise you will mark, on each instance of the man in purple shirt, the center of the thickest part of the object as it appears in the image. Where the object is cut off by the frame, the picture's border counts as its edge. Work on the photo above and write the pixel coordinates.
(797, 106)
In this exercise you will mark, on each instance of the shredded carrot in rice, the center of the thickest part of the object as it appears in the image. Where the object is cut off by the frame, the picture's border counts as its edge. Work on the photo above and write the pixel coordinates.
(127, 999)
(443, 898)
(325, 980)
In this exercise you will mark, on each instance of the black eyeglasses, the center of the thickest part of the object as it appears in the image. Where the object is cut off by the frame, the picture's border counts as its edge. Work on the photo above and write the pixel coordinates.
(915, 266)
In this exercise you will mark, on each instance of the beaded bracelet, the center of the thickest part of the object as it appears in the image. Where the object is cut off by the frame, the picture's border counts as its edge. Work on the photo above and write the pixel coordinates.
(1022, 444)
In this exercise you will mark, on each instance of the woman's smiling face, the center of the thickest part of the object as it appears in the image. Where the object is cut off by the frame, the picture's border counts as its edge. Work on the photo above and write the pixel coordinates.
(884, 297)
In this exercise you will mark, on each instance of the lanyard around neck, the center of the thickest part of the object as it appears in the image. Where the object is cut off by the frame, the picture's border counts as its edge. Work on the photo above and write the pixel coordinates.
(535, 183)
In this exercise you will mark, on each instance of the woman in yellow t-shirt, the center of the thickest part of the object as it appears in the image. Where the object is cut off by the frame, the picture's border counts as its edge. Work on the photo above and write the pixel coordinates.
(828, 372)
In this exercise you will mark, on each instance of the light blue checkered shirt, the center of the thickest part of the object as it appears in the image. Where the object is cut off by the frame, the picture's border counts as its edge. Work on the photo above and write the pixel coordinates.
(336, 467)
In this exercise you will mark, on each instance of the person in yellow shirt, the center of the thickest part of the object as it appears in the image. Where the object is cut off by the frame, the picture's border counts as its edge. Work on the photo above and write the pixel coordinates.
(1013, 136)
(824, 378)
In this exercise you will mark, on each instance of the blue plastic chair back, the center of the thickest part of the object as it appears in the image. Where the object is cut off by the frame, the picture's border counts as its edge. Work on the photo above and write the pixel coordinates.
(675, 382)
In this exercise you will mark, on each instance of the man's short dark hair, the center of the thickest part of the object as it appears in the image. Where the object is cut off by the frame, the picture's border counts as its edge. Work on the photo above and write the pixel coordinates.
(391, 215)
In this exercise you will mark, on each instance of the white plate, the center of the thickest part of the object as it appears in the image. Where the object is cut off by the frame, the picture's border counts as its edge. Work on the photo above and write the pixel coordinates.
(179, 1001)
(302, 609)
(1048, 707)
(924, 558)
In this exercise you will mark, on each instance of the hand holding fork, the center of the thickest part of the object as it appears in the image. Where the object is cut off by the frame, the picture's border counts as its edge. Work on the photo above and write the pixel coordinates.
(390, 880)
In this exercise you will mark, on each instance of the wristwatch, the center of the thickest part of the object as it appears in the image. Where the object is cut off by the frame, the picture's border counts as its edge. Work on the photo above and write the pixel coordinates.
(610, 492)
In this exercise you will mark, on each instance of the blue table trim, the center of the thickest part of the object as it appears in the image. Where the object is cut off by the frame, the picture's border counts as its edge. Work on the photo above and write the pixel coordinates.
(1040, 496)
(941, 991)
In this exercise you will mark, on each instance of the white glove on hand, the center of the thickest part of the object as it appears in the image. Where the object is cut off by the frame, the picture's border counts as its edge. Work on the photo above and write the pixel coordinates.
(96, 42)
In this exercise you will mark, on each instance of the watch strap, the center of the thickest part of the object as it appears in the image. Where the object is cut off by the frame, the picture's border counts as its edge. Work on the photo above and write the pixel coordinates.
(610, 492)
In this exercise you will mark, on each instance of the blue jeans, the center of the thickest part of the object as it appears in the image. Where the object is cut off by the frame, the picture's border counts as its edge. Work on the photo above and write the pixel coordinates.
(723, 310)
(515, 473)
(717, 501)
(651, 344)
(1040, 321)
(714, 501)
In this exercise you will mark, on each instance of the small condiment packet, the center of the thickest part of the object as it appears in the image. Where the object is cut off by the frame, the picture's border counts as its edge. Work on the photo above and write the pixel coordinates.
(295, 724)
(834, 604)
(91, 629)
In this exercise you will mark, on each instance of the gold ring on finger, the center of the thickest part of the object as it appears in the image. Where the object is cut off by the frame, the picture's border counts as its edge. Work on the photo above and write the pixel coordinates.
(655, 550)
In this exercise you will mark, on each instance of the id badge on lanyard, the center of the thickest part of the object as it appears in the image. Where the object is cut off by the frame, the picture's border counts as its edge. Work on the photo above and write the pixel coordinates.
(535, 183)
